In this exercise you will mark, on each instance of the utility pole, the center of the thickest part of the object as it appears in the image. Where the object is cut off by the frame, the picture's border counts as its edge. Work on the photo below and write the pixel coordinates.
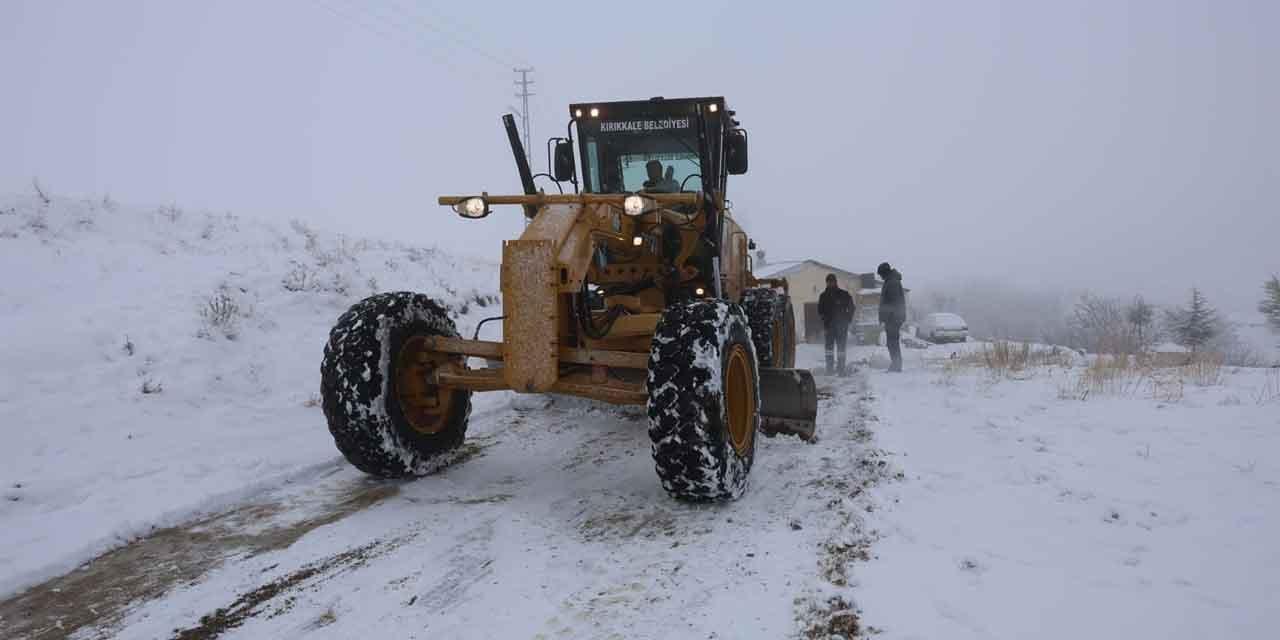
(524, 83)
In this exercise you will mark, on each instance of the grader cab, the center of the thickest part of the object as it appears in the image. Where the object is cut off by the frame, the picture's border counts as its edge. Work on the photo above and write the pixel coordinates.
(636, 288)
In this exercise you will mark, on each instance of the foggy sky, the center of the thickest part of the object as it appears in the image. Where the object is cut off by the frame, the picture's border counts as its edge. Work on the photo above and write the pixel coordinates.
(1122, 146)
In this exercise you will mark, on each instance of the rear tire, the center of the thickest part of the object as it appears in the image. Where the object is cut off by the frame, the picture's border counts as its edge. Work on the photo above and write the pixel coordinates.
(704, 401)
(773, 326)
(385, 419)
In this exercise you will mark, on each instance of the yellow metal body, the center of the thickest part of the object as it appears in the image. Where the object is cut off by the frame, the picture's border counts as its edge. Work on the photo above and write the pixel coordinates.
(543, 350)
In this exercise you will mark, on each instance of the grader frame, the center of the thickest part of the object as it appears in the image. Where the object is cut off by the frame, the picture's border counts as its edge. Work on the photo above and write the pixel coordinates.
(541, 271)
(682, 246)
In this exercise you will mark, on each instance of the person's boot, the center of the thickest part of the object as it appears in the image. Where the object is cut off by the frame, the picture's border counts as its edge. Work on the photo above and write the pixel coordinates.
(842, 371)
(830, 365)
(896, 367)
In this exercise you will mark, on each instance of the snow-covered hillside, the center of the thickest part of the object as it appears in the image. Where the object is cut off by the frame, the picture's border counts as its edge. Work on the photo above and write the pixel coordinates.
(157, 363)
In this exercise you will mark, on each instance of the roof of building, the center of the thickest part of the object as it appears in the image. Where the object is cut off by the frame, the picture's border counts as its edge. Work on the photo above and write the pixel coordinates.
(782, 269)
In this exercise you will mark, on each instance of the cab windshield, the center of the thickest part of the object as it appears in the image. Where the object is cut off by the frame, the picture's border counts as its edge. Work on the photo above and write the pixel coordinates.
(653, 155)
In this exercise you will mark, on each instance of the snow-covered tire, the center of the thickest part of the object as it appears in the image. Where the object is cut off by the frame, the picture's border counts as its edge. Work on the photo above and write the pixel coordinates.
(772, 326)
(704, 400)
(374, 412)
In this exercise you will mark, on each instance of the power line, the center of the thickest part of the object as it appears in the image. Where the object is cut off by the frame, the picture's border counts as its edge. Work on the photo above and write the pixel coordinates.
(390, 28)
(464, 29)
(451, 35)
(408, 27)
(395, 33)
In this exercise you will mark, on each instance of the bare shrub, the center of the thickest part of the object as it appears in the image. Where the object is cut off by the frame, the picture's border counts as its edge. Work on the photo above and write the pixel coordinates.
(949, 374)
(339, 284)
(170, 212)
(1166, 386)
(300, 277)
(1270, 390)
(220, 315)
(420, 255)
(40, 192)
(1005, 356)
(1118, 375)
(1205, 370)
(150, 386)
(1008, 357)
(1130, 376)
(303, 230)
(128, 347)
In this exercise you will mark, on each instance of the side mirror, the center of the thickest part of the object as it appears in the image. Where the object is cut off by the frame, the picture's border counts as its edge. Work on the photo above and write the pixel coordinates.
(735, 152)
(563, 161)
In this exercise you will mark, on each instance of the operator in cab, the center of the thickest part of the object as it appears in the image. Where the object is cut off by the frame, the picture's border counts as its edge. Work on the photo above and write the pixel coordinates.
(660, 182)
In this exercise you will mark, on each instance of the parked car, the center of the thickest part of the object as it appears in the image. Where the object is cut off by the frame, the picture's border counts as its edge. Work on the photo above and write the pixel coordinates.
(943, 327)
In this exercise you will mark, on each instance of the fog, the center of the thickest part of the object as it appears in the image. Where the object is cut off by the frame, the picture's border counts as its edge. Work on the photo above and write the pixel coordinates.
(1121, 147)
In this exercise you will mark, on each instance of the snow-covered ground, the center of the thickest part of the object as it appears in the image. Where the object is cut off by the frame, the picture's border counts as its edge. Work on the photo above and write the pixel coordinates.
(943, 502)
(1030, 513)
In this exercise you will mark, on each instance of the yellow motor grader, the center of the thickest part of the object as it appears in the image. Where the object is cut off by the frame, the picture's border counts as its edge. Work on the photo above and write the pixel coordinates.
(636, 288)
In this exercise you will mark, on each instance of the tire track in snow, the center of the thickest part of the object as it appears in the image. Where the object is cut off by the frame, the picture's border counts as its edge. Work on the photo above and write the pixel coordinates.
(562, 515)
(99, 593)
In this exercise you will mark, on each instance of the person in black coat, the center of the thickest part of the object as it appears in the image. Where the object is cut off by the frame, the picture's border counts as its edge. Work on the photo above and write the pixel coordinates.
(835, 307)
(893, 312)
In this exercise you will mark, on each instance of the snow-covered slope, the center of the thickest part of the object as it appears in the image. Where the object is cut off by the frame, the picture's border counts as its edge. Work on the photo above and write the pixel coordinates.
(156, 363)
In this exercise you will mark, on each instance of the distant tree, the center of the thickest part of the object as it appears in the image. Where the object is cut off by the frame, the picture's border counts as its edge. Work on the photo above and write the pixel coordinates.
(1270, 305)
(1194, 325)
(1101, 326)
(1141, 316)
(760, 259)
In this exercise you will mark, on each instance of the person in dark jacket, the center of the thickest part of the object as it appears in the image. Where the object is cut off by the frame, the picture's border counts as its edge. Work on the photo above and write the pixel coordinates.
(835, 307)
(893, 312)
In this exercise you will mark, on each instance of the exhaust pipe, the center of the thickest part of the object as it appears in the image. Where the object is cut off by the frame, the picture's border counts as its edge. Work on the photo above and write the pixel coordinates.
(522, 162)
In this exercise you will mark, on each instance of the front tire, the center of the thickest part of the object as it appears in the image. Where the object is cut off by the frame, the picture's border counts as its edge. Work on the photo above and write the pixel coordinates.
(704, 401)
(385, 417)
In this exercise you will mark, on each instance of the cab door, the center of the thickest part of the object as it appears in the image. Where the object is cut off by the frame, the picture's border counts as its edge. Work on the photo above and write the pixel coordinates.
(733, 260)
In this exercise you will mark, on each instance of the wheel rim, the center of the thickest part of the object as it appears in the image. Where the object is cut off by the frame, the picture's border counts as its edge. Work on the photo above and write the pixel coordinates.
(425, 406)
(740, 399)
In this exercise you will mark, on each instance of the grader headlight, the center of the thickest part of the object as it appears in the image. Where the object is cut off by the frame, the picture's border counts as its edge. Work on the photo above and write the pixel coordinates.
(633, 205)
(472, 208)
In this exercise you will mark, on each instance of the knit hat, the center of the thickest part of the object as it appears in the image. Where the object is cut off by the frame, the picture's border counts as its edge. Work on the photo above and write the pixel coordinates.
(883, 269)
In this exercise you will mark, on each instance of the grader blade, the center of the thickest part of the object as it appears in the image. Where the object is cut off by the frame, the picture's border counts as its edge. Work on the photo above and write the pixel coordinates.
(788, 402)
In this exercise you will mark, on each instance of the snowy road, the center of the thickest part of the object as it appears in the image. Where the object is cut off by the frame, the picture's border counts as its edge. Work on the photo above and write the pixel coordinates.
(553, 526)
